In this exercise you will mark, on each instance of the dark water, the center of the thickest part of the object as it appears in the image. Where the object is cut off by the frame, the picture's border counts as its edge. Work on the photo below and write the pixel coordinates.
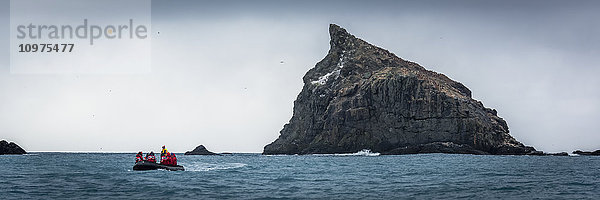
(251, 176)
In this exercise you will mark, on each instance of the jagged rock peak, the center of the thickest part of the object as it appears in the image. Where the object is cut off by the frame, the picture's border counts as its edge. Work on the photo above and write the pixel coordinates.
(361, 96)
(350, 57)
(339, 36)
(10, 148)
(341, 40)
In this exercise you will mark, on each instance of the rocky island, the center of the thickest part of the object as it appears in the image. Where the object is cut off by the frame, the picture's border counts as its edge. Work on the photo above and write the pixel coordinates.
(587, 153)
(10, 148)
(361, 96)
(200, 150)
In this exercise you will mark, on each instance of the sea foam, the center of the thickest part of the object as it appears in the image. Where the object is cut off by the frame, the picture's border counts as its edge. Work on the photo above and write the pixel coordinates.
(364, 152)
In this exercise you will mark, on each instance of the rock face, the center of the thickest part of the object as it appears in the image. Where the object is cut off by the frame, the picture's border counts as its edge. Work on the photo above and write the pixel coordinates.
(541, 153)
(200, 150)
(587, 153)
(363, 97)
(10, 148)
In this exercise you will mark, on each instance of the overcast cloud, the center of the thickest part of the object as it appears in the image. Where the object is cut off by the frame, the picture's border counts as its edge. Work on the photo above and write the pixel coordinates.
(217, 79)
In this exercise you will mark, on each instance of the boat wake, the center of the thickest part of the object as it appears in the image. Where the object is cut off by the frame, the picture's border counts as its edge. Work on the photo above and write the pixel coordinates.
(203, 167)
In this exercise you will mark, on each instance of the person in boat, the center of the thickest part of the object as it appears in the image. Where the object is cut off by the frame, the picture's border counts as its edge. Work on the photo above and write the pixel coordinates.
(165, 160)
(163, 153)
(139, 157)
(150, 157)
(173, 159)
(169, 158)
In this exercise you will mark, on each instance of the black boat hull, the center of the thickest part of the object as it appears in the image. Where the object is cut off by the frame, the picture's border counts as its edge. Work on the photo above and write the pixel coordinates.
(145, 165)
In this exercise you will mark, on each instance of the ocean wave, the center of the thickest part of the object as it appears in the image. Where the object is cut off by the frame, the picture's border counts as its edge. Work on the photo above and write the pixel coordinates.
(203, 167)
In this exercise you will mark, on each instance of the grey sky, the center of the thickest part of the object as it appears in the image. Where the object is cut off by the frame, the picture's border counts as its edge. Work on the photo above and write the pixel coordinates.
(217, 79)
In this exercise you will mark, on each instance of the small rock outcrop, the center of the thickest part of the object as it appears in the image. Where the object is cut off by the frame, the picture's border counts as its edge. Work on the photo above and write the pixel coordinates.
(541, 153)
(558, 154)
(10, 148)
(361, 96)
(587, 153)
(200, 150)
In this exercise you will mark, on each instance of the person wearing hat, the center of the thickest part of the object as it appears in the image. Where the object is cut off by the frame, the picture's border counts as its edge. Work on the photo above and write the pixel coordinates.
(139, 157)
(163, 153)
(150, 157)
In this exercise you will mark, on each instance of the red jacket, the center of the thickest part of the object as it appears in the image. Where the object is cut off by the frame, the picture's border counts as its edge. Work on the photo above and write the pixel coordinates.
(167, 160)
(170, 160)
(151, 158)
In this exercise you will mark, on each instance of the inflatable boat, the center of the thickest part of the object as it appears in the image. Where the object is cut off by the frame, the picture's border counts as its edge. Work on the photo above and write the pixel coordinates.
(145, 165)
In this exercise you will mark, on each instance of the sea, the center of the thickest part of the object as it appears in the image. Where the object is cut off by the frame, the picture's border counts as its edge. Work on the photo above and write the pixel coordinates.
(360, 175)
